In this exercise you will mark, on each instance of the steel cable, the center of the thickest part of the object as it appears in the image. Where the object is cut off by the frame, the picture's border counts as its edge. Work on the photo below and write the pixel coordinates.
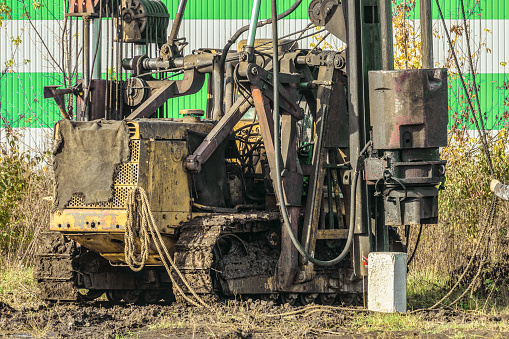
(460, 73)
(482, 132)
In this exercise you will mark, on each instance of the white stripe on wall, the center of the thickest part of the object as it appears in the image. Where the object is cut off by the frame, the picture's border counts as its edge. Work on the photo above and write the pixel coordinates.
(215, 34)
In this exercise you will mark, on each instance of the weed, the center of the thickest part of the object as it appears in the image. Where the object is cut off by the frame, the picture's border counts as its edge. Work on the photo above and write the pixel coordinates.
(17, 286)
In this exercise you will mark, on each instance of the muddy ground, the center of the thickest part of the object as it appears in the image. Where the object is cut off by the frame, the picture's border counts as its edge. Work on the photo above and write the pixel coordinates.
(235, 319)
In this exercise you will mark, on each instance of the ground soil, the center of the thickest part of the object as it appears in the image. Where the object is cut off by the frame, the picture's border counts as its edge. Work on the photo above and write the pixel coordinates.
(231, 319)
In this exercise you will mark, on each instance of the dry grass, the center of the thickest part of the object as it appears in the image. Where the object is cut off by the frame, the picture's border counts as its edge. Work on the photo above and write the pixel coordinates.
(31, 181)
(242, 319)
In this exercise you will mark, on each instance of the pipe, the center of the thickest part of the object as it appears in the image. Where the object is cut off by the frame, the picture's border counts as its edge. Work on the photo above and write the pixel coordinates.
(178, 20)
(386, 35)
(96, 59)
(253, 23)
(237, 34)
(228, 88)
(217, 90)
(86, 66)
(279, 184)
(355, 99)
(426, 35)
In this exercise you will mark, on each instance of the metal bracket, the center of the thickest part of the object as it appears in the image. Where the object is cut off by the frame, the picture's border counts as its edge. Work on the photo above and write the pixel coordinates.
(262, 79)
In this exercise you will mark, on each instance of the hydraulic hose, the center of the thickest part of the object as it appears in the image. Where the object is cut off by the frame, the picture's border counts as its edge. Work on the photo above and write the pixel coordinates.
(277, 148)
(237, 34)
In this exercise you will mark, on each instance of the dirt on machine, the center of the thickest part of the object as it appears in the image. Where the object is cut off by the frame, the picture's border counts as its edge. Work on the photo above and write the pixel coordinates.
(301, 162)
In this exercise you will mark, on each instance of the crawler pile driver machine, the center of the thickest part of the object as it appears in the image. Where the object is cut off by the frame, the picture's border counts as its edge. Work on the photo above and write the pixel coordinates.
(304, 161)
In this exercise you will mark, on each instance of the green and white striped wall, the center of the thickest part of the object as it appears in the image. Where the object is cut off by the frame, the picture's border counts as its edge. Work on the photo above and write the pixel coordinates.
(210, 24)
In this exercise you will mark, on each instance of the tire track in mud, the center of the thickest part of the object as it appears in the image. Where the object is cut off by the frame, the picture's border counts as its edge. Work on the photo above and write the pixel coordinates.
(230, 319)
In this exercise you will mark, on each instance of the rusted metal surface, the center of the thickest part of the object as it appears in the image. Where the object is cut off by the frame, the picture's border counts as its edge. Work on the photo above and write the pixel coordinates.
(82, 7)
(81, 220)
(164, 90)
(409, 108)
(217, 135)
(142, 21)
(59, 96)
(328, 13)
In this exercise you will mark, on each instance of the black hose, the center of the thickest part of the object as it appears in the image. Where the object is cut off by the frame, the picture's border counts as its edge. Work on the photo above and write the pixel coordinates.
(279, 184)
(415, 248)
(226, 48)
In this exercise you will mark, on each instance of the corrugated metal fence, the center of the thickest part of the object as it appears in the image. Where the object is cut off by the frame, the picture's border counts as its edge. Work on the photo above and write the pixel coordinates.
(37, 61)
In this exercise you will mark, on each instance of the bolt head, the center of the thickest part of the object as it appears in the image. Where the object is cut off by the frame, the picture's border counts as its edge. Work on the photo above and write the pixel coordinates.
(254, 70)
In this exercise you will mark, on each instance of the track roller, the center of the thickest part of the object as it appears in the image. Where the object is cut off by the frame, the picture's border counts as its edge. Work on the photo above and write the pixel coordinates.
(306, 299)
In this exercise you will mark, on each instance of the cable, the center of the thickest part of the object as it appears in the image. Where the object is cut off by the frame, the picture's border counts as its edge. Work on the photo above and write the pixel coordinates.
(415, 248)
(245, 28)
(460, 73)
(471, 63)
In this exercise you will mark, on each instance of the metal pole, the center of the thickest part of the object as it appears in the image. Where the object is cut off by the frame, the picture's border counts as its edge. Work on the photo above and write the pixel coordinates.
(228, 94)
(217, 90)
(386, 33)
(426, 34)
(252, 24)
(86, 65)
(356, 102)
(96, 74)
(178, 20)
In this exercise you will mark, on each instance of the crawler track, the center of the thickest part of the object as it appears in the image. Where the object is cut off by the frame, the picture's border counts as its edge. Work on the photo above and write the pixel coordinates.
(194, 252)
(213, 252)
(54, 270)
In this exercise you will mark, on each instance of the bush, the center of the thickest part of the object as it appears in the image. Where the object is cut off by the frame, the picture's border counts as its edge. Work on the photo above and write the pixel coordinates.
(24, 182)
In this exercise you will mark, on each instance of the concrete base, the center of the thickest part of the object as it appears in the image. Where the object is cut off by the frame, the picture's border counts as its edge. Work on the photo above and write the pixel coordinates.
(387, 282)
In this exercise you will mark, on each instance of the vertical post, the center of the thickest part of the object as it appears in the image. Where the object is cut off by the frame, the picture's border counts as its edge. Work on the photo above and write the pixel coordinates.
(178, 20)
(386, 33)
(426, 35)
(252, 24)
(96, 36)
(86, 67)
(228, 94)
(217, 90)
(355, 100)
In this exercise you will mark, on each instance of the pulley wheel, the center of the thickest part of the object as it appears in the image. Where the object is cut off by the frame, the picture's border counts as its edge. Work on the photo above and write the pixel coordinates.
(135, 91)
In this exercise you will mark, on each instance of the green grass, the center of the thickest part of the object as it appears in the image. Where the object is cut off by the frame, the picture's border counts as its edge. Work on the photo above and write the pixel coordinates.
(426, 288)
(17, 286)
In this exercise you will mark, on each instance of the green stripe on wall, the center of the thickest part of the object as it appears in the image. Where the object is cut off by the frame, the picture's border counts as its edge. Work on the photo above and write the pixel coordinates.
(479, 9)
(233, 9)
(23, 104)
(493, 97)
(203, 9)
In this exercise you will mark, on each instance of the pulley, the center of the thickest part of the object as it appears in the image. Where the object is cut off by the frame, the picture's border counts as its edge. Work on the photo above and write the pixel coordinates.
(135, 91)
(328, 14)
(142, 21)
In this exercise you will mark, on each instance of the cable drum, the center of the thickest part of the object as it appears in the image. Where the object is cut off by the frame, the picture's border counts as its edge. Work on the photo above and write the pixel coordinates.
(142, 21)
